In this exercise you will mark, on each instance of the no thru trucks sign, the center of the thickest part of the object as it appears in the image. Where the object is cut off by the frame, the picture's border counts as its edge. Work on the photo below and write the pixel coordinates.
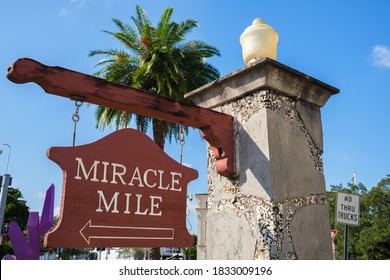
(348, 209)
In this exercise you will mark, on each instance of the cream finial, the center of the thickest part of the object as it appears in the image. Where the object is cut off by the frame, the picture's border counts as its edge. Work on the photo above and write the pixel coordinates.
(258, 40)
(258, 21)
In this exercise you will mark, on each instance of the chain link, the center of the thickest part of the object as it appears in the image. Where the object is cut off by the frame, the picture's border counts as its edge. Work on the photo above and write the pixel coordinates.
(75, 119)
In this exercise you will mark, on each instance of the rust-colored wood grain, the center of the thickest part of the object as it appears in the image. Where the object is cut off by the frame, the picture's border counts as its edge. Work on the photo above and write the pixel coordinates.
(216, 128)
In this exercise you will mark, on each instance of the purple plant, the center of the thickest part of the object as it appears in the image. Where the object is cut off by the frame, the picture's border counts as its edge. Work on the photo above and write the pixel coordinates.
(30, 250)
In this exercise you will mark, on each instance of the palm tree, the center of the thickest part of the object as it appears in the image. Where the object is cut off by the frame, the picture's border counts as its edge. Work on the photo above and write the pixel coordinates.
(157, 59)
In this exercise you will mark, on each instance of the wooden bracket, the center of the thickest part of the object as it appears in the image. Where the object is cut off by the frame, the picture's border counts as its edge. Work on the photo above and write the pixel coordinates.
(217, 128)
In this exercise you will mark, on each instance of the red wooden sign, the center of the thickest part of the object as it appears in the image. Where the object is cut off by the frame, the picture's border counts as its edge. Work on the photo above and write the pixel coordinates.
(121, 191)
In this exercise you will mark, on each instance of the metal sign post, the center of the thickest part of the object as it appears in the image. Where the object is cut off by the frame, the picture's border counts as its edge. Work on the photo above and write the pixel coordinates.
(348, 213)
(5, 182)
(3, 198)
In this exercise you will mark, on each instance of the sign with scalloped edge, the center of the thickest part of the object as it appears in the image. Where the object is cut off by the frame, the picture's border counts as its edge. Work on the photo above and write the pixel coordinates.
(121, 191)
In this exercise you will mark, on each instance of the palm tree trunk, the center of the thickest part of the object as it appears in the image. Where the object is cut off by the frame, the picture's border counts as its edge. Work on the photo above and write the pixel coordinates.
(160, 129)
(154, 254)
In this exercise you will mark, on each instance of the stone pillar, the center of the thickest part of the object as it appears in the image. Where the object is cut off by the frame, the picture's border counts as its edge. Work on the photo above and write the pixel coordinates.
(202, 215)
(275, 208)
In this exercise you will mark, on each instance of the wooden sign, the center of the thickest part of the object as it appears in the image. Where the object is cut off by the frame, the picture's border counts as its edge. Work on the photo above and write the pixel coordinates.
(121, 191)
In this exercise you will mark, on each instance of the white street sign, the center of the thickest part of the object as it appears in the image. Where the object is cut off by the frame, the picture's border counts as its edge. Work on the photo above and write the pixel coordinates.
(348, 209)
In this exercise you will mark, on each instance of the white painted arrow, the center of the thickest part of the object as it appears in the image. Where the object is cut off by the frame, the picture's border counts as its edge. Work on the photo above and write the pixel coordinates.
(122, 232)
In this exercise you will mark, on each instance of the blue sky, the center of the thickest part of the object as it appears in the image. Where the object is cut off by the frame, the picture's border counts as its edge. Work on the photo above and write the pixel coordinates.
(343, 43)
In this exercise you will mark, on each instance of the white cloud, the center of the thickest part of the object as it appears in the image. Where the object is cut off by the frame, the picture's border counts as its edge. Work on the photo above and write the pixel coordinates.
(346, 157)
(41, 195)
(79, 3)
(65, 13)
(187, 164)
(57, 211)
(380, 56)
(72, 8)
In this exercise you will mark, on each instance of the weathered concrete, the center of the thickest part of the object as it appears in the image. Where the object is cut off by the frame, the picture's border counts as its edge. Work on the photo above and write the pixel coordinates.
(276, 206)
(202, 222)
(264, 73)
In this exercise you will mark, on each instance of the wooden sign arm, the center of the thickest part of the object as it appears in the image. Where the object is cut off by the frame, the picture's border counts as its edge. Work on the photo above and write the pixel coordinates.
(217, 128)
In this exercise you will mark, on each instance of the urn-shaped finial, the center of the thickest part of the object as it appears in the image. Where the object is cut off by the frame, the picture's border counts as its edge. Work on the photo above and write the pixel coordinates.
(258, 40)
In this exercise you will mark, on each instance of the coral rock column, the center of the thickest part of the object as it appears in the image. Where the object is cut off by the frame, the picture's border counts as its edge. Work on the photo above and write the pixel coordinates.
(275, 208)
(201, 248)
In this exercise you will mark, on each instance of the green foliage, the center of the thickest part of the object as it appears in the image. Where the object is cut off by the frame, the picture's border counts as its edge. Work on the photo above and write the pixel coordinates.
(158, 59)
(131, 253)
(371, 239)
(191, 252)
(16, 210)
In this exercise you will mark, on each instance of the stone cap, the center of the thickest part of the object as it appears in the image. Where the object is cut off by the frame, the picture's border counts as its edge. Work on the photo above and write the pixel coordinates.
(265, 73)
(202, 200)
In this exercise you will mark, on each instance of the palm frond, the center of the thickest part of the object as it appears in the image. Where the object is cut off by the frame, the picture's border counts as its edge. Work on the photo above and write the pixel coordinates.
(165, 18)
(142, 123)
(120, 24)
(201, 48)
(141, 20)
(186, 26)
(163, 26)
(105, 52)
(108, 32)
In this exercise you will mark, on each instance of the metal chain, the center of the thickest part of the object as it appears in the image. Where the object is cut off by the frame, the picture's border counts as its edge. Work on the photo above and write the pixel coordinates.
(75, 119)
(181, 143)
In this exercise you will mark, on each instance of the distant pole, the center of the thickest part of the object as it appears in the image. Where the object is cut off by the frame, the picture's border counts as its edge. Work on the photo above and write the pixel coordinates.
(354, 182)
(9, 154)
(346, 243)
(3, 198)
(4, 188)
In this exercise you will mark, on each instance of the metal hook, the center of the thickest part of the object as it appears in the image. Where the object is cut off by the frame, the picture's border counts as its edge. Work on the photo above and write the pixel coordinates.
(75, 118)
